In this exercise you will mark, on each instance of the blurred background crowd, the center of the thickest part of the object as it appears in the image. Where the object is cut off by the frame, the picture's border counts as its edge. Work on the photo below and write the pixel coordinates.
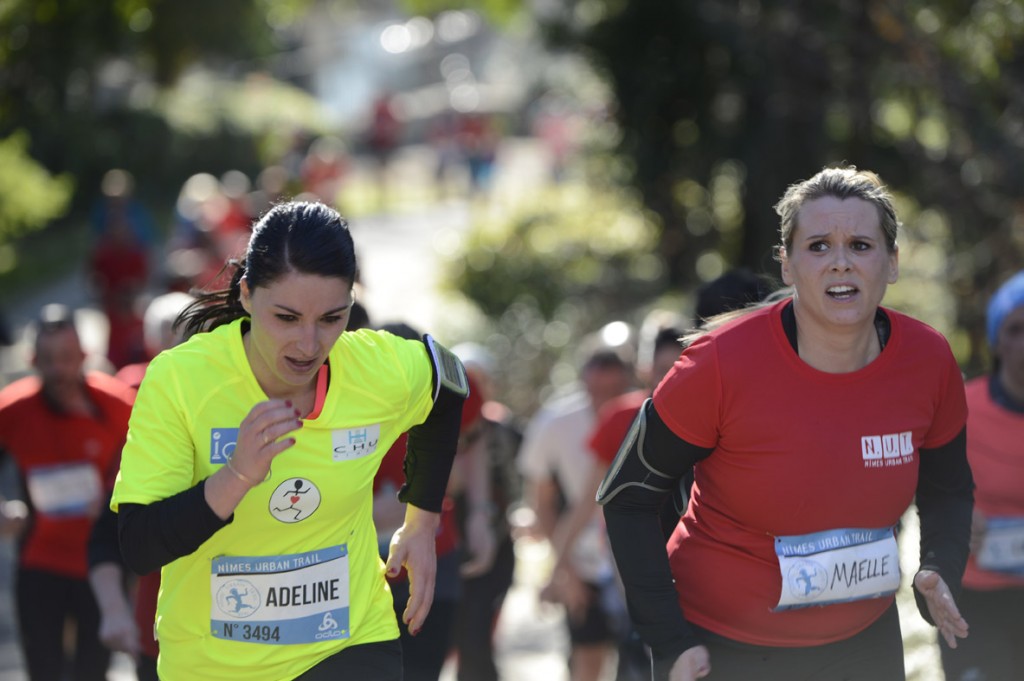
(518, 174)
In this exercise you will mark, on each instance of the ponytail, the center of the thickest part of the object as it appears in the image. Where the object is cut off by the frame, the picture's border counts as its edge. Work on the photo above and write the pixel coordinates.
(214, 308)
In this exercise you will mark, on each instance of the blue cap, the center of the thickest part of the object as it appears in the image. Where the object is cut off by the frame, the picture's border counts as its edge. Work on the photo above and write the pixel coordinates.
(1009, 297)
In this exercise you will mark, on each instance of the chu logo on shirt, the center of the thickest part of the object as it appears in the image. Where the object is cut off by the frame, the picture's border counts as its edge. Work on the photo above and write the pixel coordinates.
(355, 443)
(294, 500)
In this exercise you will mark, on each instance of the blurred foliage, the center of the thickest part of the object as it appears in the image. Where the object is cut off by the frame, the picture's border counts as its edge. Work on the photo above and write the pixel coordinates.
(84, 78)
(30, 197)
(550, 273)
(714, 107)
(580, 244)
(89, 85)
(263, 113)
(720, 104)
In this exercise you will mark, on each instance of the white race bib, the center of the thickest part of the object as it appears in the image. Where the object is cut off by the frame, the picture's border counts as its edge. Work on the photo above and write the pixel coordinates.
(65, 489)
(837, 566)
(1002, 549)
(297, 598)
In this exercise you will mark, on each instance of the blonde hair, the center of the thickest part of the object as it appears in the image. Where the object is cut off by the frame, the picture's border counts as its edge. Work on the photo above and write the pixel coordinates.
(842, 183)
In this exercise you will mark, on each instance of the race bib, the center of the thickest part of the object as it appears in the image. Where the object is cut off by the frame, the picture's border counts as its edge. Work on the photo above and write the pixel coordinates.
(279, 600)
(1002, 549)
(837, 566)
(64, 490)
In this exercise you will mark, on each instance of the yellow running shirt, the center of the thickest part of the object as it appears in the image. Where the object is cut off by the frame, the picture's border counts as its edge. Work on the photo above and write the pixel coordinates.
(295, 577)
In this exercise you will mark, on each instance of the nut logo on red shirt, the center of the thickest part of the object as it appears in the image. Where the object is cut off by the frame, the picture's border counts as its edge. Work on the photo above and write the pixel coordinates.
(894, 449)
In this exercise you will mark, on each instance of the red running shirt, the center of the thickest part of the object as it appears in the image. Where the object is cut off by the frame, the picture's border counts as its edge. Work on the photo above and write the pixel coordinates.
(39, 438)
(997, 462)
(796, 451)
(613, 422)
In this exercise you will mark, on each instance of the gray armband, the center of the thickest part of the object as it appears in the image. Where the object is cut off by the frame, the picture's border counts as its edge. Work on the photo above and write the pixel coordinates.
(447, 367)
(631, 468)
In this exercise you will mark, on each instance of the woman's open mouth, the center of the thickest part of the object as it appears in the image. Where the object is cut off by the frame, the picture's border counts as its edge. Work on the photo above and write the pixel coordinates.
(842, 292)
(302, 366)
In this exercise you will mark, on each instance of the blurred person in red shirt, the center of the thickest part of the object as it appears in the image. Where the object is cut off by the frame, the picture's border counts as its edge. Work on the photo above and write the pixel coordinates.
(324, 169)
(119, 265)
(64, 428)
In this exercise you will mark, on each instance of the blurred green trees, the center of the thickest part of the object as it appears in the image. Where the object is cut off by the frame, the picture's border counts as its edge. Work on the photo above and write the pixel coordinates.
(547, 272)
(718, 105)
(569, 245)
(30, 196)
(721, 104)
(91, 83)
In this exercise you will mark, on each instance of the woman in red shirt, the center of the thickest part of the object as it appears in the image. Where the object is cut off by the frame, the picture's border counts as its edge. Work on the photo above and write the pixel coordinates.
(813, 422)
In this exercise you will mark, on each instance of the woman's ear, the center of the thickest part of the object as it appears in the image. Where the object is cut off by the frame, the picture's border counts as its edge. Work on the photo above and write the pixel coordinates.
(783, 258)
(894, 265)
(245, 295)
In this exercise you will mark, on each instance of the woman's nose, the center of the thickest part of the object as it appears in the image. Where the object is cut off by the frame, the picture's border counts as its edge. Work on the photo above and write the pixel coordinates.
(307, 342)
(840, 259)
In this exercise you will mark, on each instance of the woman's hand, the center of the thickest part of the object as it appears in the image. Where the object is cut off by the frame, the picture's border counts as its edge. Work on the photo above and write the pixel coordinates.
(119, 632)
(413, 547)
(566, 587)
(259, 441)
(259, 437)
(941, 607)
(695, 663)
(480, 543)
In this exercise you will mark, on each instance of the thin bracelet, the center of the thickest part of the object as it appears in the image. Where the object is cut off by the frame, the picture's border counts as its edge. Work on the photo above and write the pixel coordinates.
(243, 478)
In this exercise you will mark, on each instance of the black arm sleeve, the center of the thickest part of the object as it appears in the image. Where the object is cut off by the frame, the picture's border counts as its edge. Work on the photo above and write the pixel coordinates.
(430, 452)
(153, 535)
(638, 545)
(945, 501)
(102, 547)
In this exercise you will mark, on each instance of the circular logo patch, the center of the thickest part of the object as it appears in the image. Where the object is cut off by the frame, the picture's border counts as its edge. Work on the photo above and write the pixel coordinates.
(294, 499)
(238, 598)
(807, 579)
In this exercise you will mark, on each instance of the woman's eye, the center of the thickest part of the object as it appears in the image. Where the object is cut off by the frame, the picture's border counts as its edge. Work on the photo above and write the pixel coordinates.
(860, 246)
(818, 246)
(332, 319)
(286, 317)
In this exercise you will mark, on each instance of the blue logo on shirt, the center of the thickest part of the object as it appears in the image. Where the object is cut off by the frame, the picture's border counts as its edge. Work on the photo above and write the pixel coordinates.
(222, 444)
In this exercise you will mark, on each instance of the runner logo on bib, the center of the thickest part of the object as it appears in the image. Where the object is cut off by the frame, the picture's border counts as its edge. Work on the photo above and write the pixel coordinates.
(837, 566)
(279, 600)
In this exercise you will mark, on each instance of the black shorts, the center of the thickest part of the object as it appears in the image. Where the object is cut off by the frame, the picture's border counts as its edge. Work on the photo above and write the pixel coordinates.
(875, 654)
(381, 661)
